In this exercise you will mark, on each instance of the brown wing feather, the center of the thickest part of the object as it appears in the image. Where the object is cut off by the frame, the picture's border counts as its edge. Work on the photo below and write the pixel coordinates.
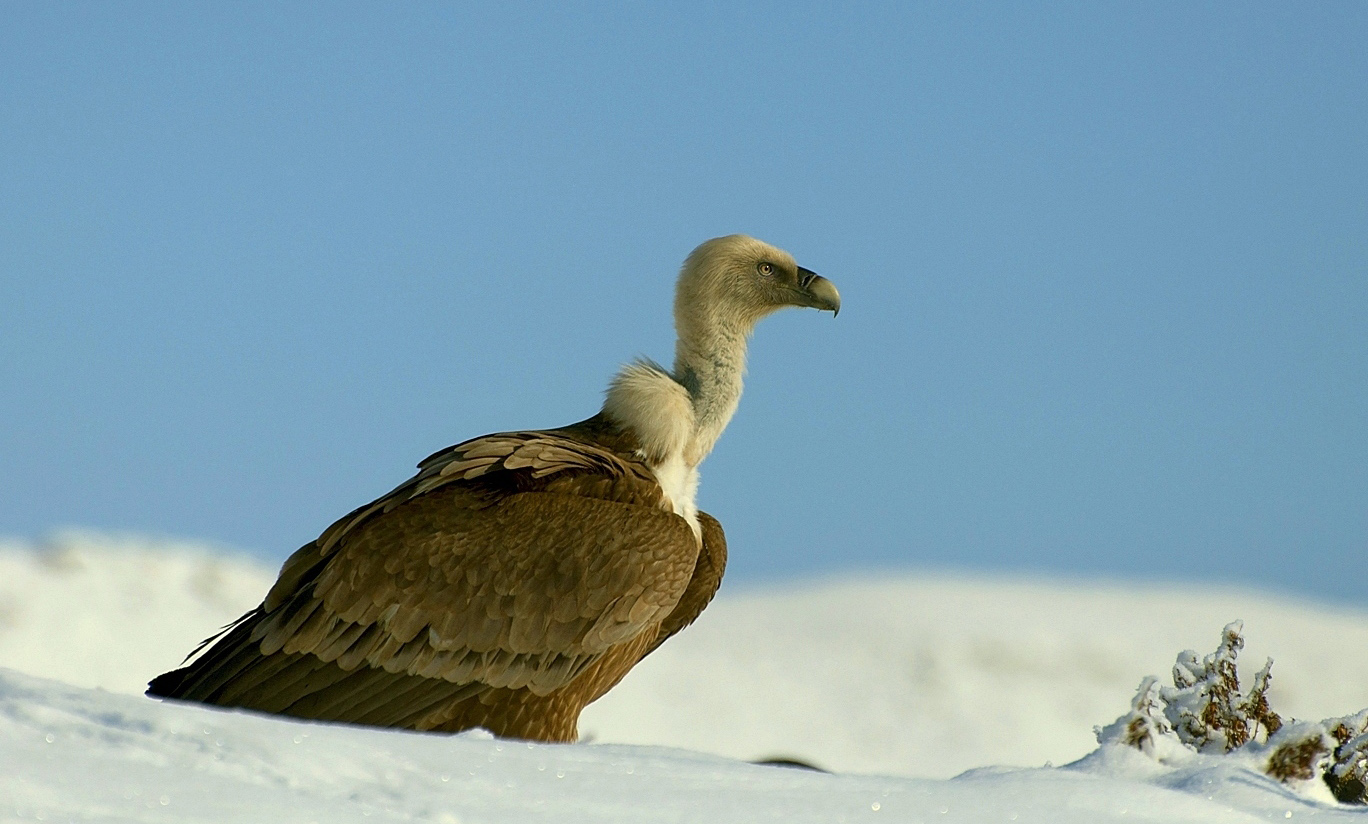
(702, 586)
(511, 561)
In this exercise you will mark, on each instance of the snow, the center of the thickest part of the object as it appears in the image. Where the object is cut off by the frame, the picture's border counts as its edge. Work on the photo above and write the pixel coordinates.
(896, 683)
(74, 754)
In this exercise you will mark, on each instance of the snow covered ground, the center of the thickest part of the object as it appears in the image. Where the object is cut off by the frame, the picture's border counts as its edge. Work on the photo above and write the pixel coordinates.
(895, 683)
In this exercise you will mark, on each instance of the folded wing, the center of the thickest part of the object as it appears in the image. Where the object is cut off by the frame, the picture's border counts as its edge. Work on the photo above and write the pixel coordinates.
(513, 561)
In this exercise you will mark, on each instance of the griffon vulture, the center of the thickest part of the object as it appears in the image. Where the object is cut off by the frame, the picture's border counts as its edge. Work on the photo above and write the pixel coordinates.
(518, 576)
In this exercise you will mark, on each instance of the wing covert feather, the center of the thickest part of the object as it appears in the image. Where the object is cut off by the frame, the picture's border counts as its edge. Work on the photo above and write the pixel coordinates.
(445, 579)
(703, 584)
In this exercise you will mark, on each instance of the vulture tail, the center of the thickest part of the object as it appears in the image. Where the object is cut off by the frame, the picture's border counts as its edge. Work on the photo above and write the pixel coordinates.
(214, 667)
(231, 672)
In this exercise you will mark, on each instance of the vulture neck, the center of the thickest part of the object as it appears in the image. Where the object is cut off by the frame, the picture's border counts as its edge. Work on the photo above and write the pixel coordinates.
(677, 417)
(710, 363)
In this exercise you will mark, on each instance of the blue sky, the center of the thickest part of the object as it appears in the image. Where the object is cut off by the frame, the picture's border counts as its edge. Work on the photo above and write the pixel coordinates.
(1104, 268)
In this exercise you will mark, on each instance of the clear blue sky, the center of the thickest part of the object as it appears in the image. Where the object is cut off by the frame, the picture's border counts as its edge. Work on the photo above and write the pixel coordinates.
(1105, 267)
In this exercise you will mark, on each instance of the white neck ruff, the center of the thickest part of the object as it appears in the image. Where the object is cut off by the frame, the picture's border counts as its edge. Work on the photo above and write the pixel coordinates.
(660, 412)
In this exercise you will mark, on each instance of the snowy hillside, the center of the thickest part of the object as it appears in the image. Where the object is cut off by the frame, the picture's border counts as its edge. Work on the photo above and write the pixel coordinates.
(69, 754)
(921, 677)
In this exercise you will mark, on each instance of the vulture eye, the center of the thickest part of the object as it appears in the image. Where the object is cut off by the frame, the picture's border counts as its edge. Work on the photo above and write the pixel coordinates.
(766, 269)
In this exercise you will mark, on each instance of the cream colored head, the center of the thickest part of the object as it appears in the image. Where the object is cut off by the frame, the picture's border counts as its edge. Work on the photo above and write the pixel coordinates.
(729, 283)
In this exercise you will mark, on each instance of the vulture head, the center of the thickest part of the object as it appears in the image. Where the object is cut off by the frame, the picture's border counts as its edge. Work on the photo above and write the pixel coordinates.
(729, 283)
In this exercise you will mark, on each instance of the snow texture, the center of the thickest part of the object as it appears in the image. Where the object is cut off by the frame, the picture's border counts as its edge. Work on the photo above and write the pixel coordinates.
(916, 678)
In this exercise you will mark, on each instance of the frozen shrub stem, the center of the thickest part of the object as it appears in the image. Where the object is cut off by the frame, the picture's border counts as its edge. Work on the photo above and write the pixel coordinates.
(1210, 711)
(1205, 711)
(1347, 775)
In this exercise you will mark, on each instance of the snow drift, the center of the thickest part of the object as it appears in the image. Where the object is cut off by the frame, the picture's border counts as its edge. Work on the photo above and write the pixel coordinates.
(921, 676)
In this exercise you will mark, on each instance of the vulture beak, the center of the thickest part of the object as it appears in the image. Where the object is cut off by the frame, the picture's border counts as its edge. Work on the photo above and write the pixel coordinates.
(817, 292)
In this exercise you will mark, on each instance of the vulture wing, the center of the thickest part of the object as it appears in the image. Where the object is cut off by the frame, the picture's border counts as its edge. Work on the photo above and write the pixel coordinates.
(513, 561)
(707, 577)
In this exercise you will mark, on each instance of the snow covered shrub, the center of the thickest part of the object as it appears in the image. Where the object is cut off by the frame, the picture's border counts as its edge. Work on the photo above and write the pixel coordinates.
(1144, 727)
(1206, 712)
(1348, 774)
(1300, 752)
(1205, 705)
